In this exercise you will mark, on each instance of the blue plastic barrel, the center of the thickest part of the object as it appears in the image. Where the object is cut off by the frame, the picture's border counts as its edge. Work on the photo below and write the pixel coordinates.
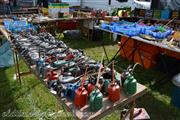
(176, 91)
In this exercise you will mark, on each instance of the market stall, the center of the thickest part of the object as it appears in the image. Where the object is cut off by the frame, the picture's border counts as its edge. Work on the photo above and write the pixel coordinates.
(85, 112)
(87, 88)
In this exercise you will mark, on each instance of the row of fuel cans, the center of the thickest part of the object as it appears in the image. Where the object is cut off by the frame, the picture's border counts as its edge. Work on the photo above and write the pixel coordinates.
(71, 74)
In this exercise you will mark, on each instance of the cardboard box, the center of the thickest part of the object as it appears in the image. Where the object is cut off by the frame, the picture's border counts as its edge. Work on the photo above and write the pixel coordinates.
(55, 8)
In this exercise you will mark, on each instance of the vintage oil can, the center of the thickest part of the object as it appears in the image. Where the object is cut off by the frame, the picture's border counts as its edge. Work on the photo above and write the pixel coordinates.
(95, 101)
(40, 64)
(113, 88)
(69, 57)
(51, 77)
(70, 90)
(105, 86)
(91, 86)
(81, 94)
(96, 97)
(81, 97)
(130, 85)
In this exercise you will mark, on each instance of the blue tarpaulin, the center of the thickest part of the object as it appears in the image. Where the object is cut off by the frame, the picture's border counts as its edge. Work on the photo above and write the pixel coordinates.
(135, 29)
(17, 26)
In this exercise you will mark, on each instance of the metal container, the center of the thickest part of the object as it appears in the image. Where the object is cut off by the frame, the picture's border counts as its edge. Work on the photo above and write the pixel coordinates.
(113, 88)
(130, 85)
(114, 92)
(96, 100)
(70, 90)
(81, 97)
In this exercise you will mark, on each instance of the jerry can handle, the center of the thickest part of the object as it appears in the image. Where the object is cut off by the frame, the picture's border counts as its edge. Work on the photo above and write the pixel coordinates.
(113, 80)
(131, 71)
(99, 72)
(84, 77)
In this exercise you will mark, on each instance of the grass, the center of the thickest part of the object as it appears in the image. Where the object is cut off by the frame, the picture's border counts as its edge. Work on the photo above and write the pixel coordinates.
(33, 97)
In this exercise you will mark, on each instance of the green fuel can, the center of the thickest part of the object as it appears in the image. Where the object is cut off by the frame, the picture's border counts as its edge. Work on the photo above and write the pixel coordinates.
(130, 85)
(106, 83)
(95, 100)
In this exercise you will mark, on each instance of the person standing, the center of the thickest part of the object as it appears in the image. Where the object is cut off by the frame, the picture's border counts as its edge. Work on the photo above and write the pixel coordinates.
(5, 7)
(42, 3)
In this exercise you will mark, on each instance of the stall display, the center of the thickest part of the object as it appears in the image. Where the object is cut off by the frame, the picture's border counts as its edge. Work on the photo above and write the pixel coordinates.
(143, 42)
(76, 80)
(134, 29)
(54, 63)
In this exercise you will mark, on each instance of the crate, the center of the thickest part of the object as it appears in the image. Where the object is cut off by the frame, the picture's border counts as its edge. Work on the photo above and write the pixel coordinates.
(67, 25)
(55, 8)
(125, 52)
(144, 46)
(171, 54)
(146, 52)
(145, 58)
(154, 50)
(141, 57)
(130, 42)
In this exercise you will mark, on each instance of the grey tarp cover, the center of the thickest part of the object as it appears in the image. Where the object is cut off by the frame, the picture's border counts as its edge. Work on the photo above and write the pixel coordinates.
(6, 55)
(171, 4)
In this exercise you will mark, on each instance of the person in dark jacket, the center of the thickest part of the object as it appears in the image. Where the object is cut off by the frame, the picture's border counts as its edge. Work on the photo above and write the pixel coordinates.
(42, 3)
(5, 7)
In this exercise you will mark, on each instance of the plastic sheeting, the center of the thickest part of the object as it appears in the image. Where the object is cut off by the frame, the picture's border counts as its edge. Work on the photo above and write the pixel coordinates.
(135, 29)
(6, 55)
(17, 26)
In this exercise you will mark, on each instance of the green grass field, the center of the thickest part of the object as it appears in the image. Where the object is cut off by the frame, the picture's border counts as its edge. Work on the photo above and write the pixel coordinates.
(33, 97)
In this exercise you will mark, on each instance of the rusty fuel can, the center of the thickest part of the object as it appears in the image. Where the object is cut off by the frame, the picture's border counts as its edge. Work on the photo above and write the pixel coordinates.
(81, 94)
(113, 88)
(81, 97)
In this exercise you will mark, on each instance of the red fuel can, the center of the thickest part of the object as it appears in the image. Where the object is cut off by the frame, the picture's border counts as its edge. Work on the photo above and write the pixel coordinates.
(90, 87)
(69, 57)
(81, 97)
(114, 92)
(113, 88)
(81, 94)
(52, 75)
(50, 59)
